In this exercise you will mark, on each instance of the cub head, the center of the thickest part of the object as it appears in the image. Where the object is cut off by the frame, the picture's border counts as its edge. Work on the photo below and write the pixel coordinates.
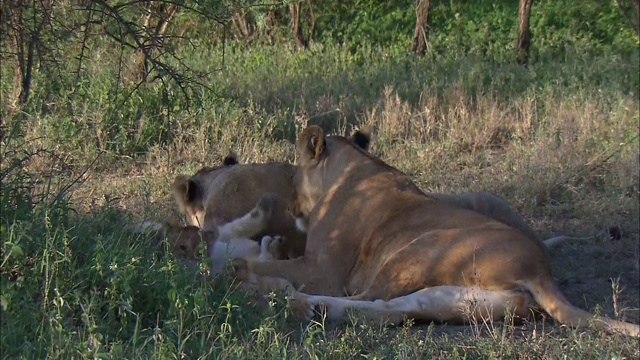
(185, 242)
(311, 150)
(188, 191)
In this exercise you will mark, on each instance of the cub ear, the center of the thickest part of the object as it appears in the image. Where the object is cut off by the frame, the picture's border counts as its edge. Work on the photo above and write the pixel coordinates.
(231, 159)
(362, 137)
(185, 190)
(311, 143)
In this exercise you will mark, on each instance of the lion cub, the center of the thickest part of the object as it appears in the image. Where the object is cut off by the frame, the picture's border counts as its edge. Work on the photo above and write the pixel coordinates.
(227, 241)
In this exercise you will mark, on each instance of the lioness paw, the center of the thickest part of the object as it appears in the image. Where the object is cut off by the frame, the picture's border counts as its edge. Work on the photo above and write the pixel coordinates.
(301, 309)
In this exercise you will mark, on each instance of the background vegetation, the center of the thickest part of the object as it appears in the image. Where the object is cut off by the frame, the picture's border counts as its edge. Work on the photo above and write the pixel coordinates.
(101, 108)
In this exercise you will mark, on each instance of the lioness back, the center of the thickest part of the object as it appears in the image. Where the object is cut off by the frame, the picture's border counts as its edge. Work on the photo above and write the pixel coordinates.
(489, 205)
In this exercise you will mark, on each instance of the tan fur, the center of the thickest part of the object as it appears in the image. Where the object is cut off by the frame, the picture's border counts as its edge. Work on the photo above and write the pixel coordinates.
(374, 236)
(188, 242)
(438, 303)
(217, 195)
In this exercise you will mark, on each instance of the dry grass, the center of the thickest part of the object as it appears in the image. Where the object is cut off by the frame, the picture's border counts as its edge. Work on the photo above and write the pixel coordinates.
(570, 169)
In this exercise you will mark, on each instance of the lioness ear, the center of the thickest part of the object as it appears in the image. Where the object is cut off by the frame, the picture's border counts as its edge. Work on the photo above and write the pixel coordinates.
(230, 159)
(311, 142)
(184, 189)
(362, 137)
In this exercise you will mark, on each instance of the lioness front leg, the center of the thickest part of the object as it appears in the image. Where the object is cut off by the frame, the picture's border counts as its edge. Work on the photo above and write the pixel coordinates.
(303, 273)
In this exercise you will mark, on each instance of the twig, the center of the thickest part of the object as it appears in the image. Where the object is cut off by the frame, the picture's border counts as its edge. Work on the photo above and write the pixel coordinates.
(614, 153)
(590, 164)
(74, 181)
(85, 38)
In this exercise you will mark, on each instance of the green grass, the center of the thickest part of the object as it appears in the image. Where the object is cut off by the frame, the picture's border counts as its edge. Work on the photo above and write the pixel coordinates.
(558, 139)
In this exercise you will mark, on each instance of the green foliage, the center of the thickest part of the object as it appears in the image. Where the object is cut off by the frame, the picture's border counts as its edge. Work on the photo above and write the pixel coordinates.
(365, 21)
(89, 106)
(83, 287)
(594, 26)
(483, 28)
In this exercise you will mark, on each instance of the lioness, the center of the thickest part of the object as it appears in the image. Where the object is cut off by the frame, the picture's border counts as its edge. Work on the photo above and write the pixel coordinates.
(397, 251)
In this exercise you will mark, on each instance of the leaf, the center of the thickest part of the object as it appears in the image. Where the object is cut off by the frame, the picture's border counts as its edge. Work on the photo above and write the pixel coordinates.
(4, 302)
(172, 294)
(16, 250)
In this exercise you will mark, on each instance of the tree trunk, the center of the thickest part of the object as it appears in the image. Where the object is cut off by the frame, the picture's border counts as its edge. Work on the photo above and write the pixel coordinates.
(626, 9)
(23, 41)
(302, 42)
(242, 25)
(141, 67)
(155, 40)
(524, 34)
(422, 29)
(296, 28)
(312, 28)
(17, 35)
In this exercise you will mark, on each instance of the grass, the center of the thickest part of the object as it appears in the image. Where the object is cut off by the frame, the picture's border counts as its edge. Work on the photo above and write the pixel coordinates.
(558, 140)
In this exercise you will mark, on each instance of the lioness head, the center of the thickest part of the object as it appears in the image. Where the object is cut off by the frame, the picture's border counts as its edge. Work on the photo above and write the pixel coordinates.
(310, 150)
(188, 190)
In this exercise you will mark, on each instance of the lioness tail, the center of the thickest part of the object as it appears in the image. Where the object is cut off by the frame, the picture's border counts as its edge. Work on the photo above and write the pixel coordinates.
(548, 295)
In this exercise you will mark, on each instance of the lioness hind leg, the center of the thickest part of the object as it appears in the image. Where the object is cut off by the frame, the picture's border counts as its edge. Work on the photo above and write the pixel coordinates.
(251, 223)
(441, 303)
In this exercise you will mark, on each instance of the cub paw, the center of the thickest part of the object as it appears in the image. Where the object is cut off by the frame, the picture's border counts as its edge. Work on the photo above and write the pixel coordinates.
(276, 247)
(240, 268)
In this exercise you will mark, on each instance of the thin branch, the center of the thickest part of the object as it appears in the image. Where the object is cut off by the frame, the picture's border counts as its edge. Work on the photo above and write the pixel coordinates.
(219, 19)
(85, 39)
(74, 181)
